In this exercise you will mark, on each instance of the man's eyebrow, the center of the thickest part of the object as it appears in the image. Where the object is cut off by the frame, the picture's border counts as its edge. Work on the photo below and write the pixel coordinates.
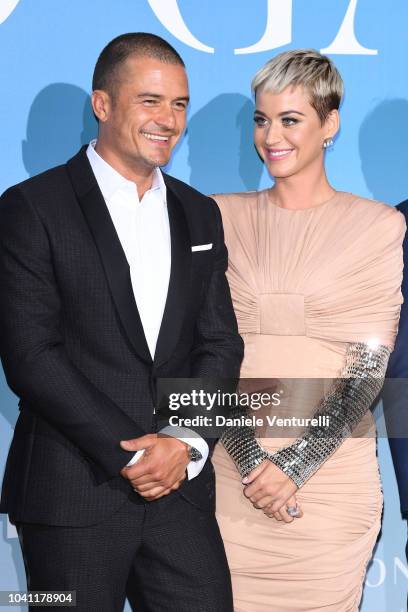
(148, 94)
(183, 98)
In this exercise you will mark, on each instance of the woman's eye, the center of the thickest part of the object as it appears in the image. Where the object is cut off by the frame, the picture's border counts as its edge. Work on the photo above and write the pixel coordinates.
(260, 121)
(289, 121)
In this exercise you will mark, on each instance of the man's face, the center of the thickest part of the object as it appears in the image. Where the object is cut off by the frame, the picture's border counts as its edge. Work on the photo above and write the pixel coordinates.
(146, 115)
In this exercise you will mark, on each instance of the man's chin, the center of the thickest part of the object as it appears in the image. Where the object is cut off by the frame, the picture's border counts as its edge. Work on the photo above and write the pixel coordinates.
(157, 161)
(160, 163)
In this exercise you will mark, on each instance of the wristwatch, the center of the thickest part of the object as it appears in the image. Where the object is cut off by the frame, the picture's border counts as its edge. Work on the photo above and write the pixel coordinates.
(193, 453)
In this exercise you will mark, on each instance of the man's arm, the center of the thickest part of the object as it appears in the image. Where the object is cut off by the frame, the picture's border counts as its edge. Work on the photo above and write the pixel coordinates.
(32, 349)
(219, 349)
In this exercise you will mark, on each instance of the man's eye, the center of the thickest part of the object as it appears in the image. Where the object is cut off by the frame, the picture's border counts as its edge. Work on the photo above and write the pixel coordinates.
(260, 121)
(149, 101)
(181, 105)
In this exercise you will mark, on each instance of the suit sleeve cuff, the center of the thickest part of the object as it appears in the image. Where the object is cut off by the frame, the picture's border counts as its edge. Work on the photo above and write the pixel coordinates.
(189, 436)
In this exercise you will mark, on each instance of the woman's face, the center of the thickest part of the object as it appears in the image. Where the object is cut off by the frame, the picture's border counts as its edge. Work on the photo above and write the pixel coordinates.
(288, 132)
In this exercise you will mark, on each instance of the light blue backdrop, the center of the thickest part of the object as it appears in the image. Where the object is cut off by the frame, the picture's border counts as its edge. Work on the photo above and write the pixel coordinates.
(47, 52)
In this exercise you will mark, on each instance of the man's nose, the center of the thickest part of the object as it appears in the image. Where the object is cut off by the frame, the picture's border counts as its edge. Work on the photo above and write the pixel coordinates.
(166, 118)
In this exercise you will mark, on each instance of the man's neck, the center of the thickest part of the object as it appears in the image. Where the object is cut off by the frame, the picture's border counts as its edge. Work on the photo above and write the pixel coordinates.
(143, 177)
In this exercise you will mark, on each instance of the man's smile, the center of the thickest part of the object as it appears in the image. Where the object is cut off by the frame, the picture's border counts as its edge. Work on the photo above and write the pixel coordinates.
(155, 137)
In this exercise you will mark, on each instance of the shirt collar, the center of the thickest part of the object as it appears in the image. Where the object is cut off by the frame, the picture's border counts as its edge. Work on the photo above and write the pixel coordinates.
(110, 180)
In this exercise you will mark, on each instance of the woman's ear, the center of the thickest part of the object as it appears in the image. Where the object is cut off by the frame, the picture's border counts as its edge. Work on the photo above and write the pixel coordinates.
(332, 124)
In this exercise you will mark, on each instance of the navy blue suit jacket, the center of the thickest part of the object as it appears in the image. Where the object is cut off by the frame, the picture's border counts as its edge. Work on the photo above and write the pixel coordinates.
(396, 392)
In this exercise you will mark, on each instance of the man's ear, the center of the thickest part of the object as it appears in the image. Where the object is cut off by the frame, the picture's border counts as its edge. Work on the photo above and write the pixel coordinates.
(101, 104)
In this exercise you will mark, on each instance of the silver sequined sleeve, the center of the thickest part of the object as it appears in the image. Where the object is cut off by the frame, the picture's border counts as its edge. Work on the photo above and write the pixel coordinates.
(242, 446)
(345, 404)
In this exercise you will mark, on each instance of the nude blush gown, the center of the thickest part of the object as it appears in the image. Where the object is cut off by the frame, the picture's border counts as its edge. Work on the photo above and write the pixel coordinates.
(305, 284)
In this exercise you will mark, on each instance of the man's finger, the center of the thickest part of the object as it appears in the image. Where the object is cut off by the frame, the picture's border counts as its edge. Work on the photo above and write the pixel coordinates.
(147, 477)
(146, 467)
(152, 492)
(141, 443)
(162, 494)
(152, 479)
(177, 485)
(137, 471)
(142, 488)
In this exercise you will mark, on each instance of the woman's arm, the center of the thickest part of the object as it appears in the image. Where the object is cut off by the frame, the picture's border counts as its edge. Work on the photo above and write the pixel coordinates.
(348, 400)
(242, 446)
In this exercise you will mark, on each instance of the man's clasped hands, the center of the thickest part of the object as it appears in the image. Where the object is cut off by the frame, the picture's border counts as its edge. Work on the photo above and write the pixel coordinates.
(162, 468)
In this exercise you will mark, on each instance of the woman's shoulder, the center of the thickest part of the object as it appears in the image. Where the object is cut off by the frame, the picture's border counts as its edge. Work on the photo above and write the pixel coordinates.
(368, 207)
(371, 213)
(237, 209)
(235, 200)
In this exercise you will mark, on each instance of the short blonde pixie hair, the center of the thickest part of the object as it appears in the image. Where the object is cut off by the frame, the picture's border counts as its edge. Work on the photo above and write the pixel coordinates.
(315, 72)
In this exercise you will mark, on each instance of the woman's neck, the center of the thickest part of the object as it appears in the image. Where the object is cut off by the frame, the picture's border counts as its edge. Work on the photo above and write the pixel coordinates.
(297, 192)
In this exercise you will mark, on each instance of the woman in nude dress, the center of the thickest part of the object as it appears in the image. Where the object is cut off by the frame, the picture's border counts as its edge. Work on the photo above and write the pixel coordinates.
(315, 277)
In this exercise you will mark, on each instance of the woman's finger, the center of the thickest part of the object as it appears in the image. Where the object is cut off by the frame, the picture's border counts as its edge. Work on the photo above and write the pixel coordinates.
(263, 502)
(292, 508)
(287, 518)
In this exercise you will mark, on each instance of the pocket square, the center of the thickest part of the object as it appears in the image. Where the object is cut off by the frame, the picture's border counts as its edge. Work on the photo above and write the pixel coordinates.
(202, 247)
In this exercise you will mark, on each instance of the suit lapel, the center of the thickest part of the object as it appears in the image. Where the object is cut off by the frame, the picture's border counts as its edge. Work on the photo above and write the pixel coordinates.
(110, 250)
(179, 284)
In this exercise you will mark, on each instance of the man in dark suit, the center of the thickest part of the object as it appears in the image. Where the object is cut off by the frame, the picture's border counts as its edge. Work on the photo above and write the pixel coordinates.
(396, 390)
(113, 275)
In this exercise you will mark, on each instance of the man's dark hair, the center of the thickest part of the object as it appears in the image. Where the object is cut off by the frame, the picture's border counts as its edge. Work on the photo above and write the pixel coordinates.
(112, 57)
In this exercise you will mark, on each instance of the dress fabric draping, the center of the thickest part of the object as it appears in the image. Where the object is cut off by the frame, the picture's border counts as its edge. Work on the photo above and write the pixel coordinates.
(305, 284)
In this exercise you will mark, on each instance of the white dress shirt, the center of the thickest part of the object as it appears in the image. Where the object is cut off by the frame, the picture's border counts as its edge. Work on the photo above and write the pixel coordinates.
(143, 229)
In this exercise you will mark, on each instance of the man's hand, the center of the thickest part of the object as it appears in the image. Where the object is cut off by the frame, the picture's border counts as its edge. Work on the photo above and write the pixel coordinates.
(162, 467)
(270, 490)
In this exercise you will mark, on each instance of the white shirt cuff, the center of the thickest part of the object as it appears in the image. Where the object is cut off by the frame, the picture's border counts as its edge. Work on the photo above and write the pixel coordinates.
(136, 457)
(189, 436)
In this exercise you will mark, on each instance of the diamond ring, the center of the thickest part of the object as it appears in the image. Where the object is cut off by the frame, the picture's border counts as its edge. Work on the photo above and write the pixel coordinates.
(293, 511)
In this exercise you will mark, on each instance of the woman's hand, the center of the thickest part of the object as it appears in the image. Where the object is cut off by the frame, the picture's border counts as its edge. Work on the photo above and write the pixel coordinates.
(283, 514)
(270, 490)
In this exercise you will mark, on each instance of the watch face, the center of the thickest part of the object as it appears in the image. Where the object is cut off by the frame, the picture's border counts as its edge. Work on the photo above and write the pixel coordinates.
(195, 454)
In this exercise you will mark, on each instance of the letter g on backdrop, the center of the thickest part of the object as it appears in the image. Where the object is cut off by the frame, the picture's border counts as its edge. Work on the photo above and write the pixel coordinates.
(278, 29)
(6, 8)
